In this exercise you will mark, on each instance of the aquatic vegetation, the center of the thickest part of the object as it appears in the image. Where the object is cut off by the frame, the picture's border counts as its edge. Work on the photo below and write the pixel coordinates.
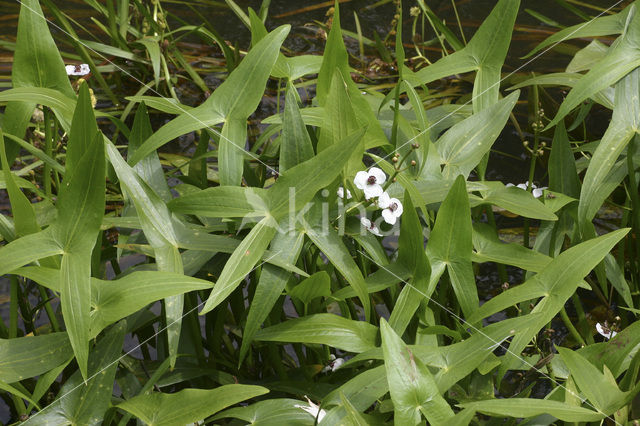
(324, 270)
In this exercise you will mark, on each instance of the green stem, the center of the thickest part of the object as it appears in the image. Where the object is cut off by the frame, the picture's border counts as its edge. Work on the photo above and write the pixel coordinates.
(635, 200)
(582, 319)
(534, 154)
(502, 270)
(47, 307)
(13, 307)
(48, 137)
(570, 327)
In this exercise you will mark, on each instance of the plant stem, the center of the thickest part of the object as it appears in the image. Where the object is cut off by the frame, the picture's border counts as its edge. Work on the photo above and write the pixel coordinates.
(534, 155)
(13, 307)
(46, 176)
(47, 307)
(635, 201)
(570, 327)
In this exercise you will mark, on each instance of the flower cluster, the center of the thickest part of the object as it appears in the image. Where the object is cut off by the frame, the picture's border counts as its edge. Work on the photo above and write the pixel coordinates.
(537, 191)
(370, 182)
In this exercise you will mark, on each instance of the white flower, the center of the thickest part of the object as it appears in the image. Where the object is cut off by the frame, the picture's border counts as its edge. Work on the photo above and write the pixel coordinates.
(605, 331)
(371, 227)
(341, 193)
(391, 208)
(80, 69)
(313, 409)
(537, 191)
(334, 364)
(370, 182)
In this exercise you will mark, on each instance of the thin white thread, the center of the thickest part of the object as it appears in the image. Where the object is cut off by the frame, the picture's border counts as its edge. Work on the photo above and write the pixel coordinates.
(84, 383)
(496, 343)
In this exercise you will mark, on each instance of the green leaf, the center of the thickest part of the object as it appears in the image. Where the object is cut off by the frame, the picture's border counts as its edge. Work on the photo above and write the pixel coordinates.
(149, 168)
(80, 209)
(624, 124)
(563, 176)
(233, 100)
(27, 249)
(241, 262)
(163, 232)
(587, 57)
(62, 105)
(24, 216)
(488, 248)
(223, 201)
(153, 49)
(335, 57)
(296, 187)
(412, 255)
(295, 147)
(600, 389)
(231, 151)
(83, 402)
(450, 246)
(271, 412)
(270, 285)
(600, 26)
(335, 60)
(485, 54)
(411, 385)
(324, 329)
(530, 407)
(362, 390)
(621, 59)
(461, 359)
(317, 285)
(354, 417)
(603, 97)
(514, 200)
(26, 357)
(36, 63)
(187, 405)
(555, 284)
(120, 298)
(12, 390)
(462, 147)
(75, 299)
(340, 121)
(290, 68)
(330, 243)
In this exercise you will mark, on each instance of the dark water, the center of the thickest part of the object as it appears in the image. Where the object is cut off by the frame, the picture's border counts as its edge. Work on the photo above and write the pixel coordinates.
(305, 38)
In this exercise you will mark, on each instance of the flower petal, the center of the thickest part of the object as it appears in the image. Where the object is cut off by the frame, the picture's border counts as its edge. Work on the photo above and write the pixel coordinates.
(537, 192)
(398, 211)
(371, 191)
(378, 174)
(388, 216)
(360, 181)
(337, 364)
(384, 200)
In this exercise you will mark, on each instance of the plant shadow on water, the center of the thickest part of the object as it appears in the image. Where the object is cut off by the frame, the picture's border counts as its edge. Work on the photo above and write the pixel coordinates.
(260, 235)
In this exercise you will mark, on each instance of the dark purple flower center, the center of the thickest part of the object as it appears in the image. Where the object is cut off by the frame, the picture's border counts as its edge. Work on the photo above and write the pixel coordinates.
(393, 207)
(371, 180)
